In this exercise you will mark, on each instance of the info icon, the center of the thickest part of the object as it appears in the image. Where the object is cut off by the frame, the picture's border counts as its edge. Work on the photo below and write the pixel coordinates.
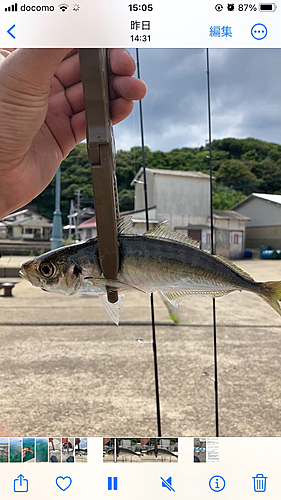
(230, 7)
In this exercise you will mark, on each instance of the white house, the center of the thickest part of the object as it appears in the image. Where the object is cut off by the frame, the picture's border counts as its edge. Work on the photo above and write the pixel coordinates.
(27, 225)
(182, 198)
(263, 226)
(3, 230)
(88, 229)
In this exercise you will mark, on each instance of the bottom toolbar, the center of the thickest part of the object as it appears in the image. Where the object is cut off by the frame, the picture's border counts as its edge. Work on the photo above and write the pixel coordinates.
(139, 467)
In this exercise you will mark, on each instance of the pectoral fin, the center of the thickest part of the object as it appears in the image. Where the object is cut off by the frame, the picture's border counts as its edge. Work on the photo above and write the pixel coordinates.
(102, 283)
(113, 310)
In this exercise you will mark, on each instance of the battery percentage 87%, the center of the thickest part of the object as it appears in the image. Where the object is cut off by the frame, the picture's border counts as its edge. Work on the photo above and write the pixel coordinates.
(247, 7)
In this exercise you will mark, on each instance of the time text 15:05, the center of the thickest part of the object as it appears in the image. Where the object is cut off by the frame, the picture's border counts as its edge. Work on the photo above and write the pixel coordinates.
(145, 7)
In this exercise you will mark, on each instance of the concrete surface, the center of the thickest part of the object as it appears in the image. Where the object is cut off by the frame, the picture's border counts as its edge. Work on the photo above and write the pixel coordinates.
(67, 370)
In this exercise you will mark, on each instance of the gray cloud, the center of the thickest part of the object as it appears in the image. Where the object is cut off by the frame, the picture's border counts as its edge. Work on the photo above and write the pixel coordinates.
(245, 95)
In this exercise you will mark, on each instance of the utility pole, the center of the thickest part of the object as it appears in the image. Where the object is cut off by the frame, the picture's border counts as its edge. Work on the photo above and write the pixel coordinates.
(72, 220)
(56, 238)
(77, 192)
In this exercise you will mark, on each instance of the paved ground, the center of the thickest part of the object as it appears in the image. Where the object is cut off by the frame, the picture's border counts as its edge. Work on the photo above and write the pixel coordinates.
(65, 369)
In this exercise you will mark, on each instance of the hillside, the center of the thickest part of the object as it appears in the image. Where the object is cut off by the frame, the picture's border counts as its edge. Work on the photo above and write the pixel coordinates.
(240, 167)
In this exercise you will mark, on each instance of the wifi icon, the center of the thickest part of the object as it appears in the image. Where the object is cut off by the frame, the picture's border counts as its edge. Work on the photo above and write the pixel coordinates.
(63, 6)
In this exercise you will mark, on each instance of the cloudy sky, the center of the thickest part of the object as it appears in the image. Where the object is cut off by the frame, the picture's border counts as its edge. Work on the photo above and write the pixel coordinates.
(245, 95)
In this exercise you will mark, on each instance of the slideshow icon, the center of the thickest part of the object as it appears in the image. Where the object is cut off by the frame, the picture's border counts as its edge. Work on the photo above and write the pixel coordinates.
(12, 8)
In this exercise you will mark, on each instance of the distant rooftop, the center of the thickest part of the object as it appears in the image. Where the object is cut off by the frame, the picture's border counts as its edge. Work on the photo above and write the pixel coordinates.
(276, 198)
(229, 214)
(26, 214)
(174, 173)
(88, 223)
(273, 198)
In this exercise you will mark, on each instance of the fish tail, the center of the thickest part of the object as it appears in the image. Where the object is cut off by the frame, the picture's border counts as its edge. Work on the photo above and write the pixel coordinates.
(271, 293)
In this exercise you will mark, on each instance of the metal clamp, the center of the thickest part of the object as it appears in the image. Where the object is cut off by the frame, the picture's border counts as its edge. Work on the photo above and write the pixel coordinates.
(101, 154)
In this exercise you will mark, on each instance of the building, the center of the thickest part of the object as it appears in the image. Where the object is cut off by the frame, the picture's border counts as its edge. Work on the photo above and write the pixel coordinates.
(263, 226)
(182, 198)
(88, 229)
(3, 231)
(27, 225)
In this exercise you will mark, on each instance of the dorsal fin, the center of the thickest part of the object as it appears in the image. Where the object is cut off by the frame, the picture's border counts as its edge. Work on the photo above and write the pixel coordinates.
(234, 267)
(124, 225)
(163, 232)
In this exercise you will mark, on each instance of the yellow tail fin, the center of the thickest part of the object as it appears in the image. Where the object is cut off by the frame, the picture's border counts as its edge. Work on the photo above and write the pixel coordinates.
(271, 293)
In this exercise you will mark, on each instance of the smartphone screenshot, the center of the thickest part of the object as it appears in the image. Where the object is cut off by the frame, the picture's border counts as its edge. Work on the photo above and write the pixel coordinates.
(140, 240)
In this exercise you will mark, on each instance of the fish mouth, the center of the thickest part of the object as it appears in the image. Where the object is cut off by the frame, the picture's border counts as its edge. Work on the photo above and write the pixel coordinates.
(22, 274)
(29, 276)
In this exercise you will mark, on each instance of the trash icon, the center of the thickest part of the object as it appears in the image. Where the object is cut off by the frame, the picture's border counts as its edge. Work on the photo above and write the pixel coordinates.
(260, 482)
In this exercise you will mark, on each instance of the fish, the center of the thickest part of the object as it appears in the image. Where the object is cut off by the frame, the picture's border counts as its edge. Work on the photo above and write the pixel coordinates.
(159, 260)
(160, 451)
(123, 451)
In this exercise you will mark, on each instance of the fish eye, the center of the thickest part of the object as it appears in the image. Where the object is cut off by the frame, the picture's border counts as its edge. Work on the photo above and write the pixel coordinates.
(47, 269)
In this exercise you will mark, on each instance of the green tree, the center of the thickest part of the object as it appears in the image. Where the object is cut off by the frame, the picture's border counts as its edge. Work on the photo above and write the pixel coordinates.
(225, 197)
(235, 174)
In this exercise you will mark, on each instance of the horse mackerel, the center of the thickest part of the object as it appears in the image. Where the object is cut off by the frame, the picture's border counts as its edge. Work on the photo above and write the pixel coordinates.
(160, 260)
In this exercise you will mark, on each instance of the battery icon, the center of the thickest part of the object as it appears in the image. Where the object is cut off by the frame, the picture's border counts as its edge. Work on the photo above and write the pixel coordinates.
(267, 7)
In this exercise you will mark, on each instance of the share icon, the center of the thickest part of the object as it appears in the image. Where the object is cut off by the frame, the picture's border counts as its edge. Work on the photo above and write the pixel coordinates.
(167, 483)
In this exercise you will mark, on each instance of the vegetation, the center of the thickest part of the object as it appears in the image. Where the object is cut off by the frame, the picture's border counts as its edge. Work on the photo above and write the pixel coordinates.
(240, 166)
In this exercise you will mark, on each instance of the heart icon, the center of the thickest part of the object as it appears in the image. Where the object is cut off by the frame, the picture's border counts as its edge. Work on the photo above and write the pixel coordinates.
(63, 482)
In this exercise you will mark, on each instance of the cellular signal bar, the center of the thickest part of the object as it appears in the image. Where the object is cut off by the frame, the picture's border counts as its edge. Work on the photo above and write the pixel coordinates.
(12, 8)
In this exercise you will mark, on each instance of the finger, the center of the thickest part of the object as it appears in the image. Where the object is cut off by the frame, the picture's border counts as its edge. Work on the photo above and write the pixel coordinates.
(121, 62)
(69, 100)
(3, 54)
(68, 72)
(127, 87)
(75, 97)
(73, 51)
(78, 124)
(120, 109)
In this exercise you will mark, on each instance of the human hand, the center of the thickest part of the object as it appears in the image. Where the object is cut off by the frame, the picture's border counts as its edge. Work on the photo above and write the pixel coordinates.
(42, 115)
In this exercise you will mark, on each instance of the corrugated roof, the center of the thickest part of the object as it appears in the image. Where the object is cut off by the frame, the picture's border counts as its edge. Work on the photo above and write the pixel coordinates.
(29, 222)
(273, 198)
(229, 214)
(88, 223)
(174, 173)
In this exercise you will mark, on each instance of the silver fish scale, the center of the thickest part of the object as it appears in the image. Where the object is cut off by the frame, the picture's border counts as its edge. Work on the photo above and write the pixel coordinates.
(151, 264)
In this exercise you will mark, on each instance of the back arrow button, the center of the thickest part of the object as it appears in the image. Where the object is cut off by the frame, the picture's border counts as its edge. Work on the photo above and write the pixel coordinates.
(10, 29)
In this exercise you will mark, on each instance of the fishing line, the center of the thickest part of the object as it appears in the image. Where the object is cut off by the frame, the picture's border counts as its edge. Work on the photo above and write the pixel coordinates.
(154, 345)
(212, 243)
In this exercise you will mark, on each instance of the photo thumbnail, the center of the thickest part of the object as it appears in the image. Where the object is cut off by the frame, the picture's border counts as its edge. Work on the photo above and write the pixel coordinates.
(145, 450)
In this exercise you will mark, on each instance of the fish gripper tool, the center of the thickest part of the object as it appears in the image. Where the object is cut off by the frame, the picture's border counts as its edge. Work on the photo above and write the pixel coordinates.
(101, 155)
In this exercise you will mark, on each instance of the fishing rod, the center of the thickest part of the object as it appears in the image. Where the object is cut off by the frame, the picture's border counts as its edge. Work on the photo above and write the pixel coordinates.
(154, 344)
(212, 241)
